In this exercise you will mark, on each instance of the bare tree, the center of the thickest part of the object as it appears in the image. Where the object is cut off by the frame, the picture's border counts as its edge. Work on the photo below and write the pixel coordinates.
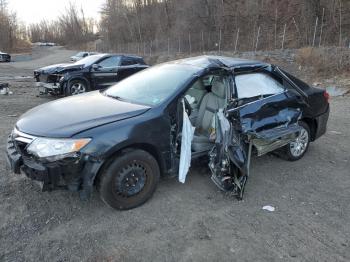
(8, 28)
(215, 23)
(71, 28)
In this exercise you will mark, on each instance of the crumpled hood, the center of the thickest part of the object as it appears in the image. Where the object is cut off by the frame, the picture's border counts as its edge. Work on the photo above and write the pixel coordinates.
(68, 116)
(57, 68)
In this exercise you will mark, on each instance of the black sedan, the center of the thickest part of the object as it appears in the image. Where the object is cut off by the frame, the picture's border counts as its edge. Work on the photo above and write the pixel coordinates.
(153, 123)
(5, 57)
(90, 73)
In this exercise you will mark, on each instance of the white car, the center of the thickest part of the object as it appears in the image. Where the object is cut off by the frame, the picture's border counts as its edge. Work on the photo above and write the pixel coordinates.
(81, 55)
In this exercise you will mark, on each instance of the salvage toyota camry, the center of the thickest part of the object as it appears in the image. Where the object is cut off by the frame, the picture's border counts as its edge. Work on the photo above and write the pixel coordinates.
(153, 123)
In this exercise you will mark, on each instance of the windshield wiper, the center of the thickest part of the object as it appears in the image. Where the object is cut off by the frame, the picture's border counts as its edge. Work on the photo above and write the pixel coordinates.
(115, 97)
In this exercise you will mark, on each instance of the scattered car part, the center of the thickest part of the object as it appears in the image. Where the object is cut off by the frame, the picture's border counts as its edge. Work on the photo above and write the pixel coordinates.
(132, 131)
(269, 208)
(4, 89)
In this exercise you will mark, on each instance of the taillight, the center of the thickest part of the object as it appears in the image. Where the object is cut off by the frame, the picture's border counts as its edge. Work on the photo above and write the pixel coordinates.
(326, 95)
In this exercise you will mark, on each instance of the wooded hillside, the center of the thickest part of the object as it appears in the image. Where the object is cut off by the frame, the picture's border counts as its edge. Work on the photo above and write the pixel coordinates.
(224, 24)
(146, 26)
(12, 33)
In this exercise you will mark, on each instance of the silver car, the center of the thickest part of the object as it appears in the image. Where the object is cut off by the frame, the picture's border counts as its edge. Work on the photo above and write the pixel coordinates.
(81, 55)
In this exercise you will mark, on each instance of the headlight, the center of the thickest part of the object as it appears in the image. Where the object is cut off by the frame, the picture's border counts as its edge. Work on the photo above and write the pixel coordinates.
(47, 147)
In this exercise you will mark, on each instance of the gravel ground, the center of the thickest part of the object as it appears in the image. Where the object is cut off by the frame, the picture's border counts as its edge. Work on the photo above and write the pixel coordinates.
(190, 222)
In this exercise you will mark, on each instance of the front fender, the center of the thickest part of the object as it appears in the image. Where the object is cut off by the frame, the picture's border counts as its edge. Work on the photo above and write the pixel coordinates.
(148, 131)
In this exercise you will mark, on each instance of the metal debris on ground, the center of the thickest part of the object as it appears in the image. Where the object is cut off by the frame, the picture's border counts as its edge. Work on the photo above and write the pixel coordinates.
(269, 208)
(4, 89)
(335, 132)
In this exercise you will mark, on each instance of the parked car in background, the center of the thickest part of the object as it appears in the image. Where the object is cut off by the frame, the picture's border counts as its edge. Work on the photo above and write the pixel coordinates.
(122, 139)
(44, 44)
(91, 73)
(5, 57)
(81, 55)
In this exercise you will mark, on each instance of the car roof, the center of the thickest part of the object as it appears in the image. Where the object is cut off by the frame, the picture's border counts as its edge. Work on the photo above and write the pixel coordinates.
(212, 61)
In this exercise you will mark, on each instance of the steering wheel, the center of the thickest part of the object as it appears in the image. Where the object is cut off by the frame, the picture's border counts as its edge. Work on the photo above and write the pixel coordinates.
(188, 107)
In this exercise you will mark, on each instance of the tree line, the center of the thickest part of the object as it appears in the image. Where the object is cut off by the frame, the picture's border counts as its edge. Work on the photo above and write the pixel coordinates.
(12, 33)
(204, 25)
(71, 28)
(147, 26)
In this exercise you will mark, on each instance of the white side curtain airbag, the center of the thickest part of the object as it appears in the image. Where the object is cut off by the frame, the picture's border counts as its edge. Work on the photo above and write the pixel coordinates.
(256, 84)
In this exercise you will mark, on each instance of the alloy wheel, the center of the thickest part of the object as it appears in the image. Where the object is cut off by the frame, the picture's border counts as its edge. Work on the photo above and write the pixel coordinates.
(299, 145)
(78, 88)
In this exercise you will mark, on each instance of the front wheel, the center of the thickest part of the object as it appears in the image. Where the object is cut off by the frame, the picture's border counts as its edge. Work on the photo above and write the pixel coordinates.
(130, 180)
(76, 87)
(296, 149)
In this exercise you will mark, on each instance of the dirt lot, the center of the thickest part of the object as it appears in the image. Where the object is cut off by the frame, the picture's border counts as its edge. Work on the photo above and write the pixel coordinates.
(191, 222)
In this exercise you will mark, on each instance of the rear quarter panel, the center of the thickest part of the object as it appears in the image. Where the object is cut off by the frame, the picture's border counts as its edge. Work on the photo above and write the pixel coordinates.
(318, 104)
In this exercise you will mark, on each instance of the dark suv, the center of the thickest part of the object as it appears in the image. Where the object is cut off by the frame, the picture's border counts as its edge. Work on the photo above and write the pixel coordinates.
(5, 57)
(90, 73)
(154, 122)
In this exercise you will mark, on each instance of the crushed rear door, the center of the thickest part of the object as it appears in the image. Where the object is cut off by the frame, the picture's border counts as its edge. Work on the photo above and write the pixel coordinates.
(260, 127)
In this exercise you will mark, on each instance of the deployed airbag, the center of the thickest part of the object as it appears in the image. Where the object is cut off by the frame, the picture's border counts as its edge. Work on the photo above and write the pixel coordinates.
(186, 141)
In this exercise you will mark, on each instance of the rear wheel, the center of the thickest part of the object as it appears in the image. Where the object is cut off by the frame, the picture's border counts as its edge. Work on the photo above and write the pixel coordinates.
(130, 180)
(296, 150)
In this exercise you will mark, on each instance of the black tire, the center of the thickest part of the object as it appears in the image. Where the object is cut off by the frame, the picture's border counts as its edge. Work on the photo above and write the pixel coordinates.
(73, 83)
(287, 150)
(114, 184)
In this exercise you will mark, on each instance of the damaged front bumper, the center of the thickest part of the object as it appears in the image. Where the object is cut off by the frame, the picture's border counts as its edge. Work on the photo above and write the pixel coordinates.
(74, 173)
(49, 88)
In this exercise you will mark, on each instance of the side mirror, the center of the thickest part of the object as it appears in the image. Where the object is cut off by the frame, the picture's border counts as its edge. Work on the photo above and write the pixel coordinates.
(96, 67)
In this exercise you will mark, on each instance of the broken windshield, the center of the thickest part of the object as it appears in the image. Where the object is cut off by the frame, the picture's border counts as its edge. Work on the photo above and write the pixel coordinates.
(152, 86)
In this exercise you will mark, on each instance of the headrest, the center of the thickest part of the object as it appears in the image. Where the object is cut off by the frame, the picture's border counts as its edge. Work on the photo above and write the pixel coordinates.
(198, 85)
(218, 87)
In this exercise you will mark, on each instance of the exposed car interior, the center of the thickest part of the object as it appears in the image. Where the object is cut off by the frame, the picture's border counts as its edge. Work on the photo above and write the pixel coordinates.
(206, 96)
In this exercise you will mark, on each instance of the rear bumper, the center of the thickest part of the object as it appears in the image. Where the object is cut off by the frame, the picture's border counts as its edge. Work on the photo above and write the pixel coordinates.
(321, 122)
